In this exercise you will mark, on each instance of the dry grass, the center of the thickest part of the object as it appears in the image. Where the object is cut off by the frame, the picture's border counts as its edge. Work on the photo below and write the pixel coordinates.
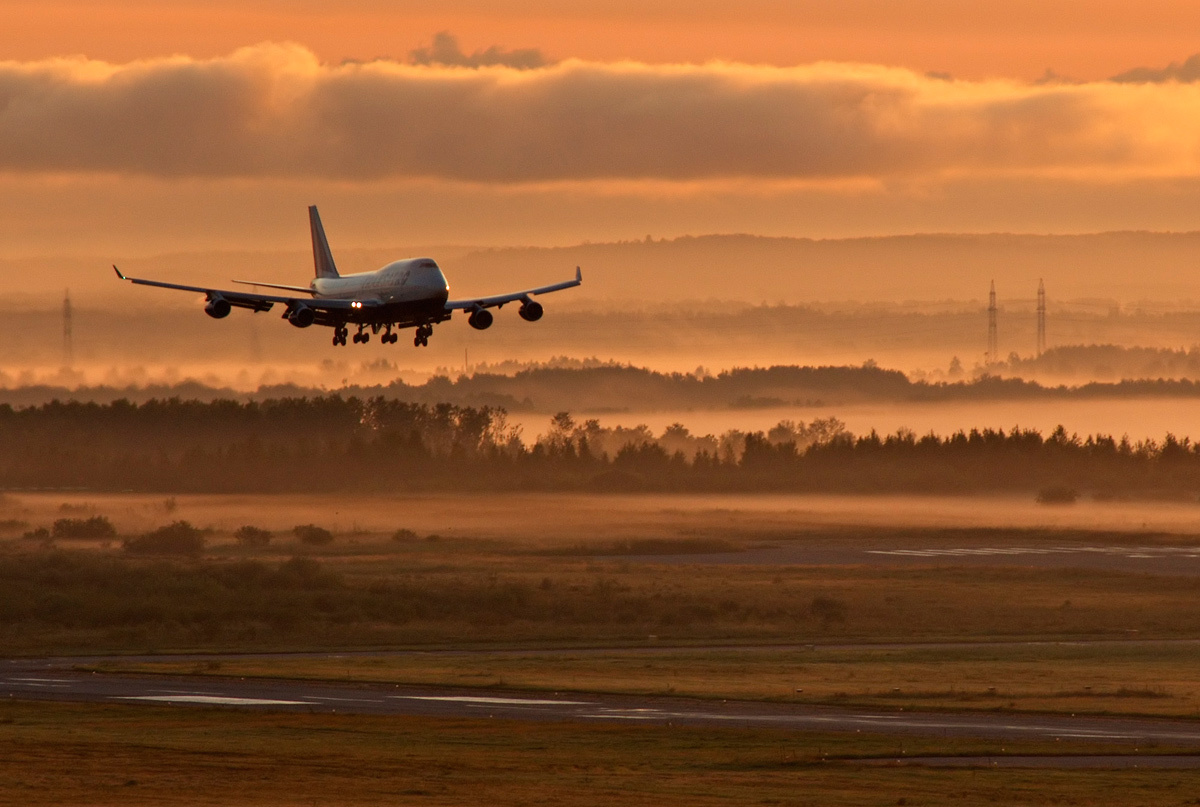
(54, 754)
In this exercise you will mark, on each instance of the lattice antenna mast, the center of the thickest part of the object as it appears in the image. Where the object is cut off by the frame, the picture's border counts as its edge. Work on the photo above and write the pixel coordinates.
(993, 349)
(68, 335)
(1041, 314)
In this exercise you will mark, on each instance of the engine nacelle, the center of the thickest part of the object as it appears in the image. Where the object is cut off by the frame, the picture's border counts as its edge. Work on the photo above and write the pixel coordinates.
(302, 316)
(218, 308)
(480, 320)
(531, 311)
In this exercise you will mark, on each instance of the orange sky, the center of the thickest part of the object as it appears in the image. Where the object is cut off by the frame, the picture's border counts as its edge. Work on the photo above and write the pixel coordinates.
(1085, 39)
(820, 121)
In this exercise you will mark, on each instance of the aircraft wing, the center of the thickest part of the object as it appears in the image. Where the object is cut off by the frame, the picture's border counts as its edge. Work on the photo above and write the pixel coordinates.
(477, 303)
(257, 302)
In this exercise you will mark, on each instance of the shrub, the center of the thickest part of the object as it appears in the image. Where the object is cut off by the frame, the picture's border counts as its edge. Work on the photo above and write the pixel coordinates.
(38, 534)
(96, 528)
(404, 535)
(178, 538)
(252, 536)
(312, 534)
(13, 525)
(828, 610)
(1057, 494)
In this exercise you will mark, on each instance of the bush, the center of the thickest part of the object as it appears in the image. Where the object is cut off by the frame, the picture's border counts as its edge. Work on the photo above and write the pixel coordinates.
(13, 525)
(404, 535)
(96, 528)
(828, 610)
(312, 534)
(39, 534)
(179, 538)
(252, 536)
(1057, 494)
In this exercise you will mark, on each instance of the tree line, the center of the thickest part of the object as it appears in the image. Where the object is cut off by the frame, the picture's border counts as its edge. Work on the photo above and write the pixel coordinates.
(331, 443)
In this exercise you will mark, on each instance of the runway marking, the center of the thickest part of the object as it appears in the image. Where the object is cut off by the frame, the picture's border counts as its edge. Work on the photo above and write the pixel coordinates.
(1097, 735)
(1136, 552)
(346, 700)
(46, 680)
(45, 683)
(489, 701)
(216, 700)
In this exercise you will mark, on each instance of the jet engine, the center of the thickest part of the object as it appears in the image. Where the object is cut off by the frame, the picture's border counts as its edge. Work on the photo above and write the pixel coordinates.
(301, 316)
(218, 308)
(531, 311)
(481, 319)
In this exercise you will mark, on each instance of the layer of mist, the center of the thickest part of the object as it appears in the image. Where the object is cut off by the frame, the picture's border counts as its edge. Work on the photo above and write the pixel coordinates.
(934, 341)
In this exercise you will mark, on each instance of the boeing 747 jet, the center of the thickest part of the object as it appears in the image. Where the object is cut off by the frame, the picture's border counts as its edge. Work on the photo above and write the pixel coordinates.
(404, 294)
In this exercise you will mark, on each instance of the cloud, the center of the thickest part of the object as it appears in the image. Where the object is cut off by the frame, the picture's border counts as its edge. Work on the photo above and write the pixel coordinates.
(446, 52)
(1188, 71)
(276, 111)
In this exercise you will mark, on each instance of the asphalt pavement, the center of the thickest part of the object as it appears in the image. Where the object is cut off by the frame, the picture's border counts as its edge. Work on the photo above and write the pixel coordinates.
(59, 680)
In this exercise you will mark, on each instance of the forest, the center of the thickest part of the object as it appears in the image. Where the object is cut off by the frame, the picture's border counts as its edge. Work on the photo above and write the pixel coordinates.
(332, 443)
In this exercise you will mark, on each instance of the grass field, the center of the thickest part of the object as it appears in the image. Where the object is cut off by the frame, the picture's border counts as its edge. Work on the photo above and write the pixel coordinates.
(528, 592)
(57, 754)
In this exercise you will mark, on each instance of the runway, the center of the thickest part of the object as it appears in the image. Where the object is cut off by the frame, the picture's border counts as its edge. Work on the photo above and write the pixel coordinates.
(56, 680)
(1159, 560)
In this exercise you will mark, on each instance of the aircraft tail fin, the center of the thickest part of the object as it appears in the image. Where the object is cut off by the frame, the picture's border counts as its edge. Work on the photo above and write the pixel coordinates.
(322, 257)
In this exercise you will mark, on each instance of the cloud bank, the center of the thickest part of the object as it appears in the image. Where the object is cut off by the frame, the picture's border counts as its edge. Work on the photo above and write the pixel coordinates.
(445, 51)
(1188, 71)
(276, 111)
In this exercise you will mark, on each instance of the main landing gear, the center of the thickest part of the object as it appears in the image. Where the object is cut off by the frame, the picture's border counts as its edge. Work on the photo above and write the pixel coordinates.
(389, 337)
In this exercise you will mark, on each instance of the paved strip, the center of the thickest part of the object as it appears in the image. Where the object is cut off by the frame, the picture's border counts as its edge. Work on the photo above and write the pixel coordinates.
(1115, 761)
(379, 699)
(1158, 560)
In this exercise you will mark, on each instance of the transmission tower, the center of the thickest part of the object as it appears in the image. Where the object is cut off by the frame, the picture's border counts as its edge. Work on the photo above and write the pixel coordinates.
(1041, 314)
(993, 349)
(68, 337)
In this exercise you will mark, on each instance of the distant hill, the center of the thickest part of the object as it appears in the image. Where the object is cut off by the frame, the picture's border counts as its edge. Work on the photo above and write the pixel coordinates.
(623, 388)
(1126, 266)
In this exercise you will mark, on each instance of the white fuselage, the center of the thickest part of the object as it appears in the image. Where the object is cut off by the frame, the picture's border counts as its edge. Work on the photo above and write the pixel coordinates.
(413, 280)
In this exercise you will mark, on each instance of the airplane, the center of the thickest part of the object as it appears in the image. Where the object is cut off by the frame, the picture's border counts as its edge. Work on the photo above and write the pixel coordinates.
(402, 294)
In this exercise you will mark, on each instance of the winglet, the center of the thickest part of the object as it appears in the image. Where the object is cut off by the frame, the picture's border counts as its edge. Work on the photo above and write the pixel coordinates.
(118, 271)
(578, 275)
